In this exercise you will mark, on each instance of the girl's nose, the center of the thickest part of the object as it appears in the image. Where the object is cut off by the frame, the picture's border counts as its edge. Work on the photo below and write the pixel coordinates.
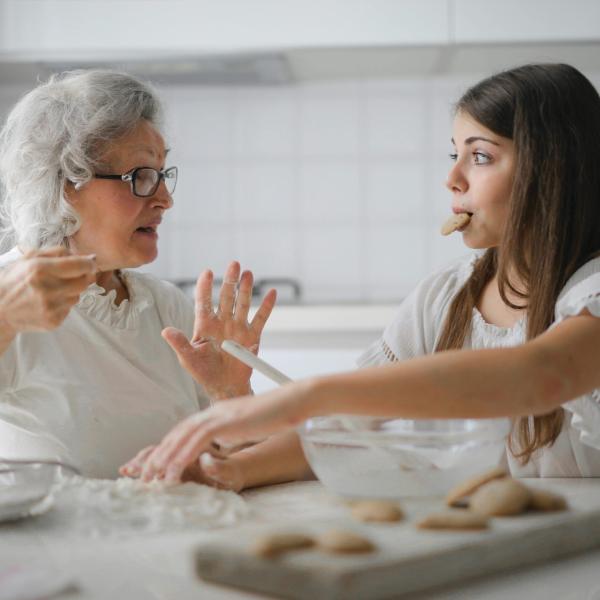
(456, 181)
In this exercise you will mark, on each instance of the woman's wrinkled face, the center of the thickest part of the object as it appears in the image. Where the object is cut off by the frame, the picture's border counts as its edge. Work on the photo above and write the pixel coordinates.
(120, 228)
(481, 180)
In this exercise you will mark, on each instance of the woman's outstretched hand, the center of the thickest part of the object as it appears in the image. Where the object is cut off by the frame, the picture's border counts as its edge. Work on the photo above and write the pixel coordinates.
(221, 375)
(226, 423)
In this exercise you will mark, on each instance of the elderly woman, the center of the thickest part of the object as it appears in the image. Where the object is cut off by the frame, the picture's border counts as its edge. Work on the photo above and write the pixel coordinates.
(85, 377)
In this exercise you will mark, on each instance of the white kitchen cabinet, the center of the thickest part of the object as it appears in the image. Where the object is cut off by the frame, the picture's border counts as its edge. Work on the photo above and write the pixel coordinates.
(490, 21)
(129, 29)
(126, 27)
(279, 41)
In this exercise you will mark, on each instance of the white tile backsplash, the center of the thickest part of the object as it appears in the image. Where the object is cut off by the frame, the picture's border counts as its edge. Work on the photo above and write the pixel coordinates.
(395, 124)
(329, 124)
(330, 257)
(195, 248)
(396, 260)
(329, 192)
(265, 123)
(264, 192)
(204, 194)
(267, 251)
(200, 128)
(394, 190)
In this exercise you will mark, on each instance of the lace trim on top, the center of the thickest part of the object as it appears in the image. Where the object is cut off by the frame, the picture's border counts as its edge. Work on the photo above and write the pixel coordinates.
(101, 306)
(387, 352)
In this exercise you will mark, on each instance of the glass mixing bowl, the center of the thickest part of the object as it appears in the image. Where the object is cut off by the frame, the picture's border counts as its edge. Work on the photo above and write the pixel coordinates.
(25, 485)
(375, 457)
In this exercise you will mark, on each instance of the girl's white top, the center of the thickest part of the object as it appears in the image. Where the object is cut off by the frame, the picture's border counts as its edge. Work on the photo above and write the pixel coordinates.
(418, 325)
(103, 385)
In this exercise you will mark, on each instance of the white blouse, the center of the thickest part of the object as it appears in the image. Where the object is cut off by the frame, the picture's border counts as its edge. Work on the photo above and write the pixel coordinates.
(416, 329)
(103, 385)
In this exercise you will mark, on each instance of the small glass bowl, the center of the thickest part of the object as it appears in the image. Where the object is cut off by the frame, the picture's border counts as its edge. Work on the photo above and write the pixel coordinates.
(26, 485)
(376, 457)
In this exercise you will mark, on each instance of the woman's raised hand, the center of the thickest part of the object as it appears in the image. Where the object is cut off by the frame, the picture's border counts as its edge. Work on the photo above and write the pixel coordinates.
(222, 375)
(38, 291)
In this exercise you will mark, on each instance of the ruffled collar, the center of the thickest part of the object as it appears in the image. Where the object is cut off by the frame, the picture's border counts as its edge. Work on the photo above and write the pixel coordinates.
(100, 305)
(487, 335)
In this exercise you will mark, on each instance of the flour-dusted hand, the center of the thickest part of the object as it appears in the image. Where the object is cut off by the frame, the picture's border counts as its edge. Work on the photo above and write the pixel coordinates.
(233, 422)
(222, 375)
(38, 291)
(212, 468)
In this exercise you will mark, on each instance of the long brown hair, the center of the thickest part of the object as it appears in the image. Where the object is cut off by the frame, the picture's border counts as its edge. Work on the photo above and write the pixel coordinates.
(552, 113)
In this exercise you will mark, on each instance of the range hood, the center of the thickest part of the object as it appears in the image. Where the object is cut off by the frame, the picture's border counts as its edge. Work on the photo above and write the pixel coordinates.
(218, 70)
(311, 64)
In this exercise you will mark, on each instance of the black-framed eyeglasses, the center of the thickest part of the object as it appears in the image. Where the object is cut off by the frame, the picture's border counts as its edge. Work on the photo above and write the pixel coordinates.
(144, 181)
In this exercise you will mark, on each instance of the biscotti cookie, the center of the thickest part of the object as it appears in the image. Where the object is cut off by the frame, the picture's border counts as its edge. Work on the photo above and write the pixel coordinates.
(457, 495)
(500, 498)
(455, 223)
(274, 544)
(337, 541)
(376, 510)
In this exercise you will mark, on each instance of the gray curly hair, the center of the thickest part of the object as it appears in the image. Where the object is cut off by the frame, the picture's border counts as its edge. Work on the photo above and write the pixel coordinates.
(56, 134)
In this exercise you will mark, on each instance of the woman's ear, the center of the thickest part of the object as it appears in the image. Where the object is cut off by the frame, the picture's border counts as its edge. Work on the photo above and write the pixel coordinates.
(71, 191)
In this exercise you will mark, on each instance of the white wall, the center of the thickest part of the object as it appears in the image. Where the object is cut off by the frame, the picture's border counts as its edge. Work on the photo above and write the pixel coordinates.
(339, 185)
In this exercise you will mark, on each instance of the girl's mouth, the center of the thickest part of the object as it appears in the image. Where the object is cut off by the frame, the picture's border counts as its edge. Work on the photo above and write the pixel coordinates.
(463, 227)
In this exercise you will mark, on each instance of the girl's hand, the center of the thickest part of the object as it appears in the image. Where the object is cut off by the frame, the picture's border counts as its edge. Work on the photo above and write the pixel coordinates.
(222, 375)
(38, 291)
(211, 468)
(232, 422)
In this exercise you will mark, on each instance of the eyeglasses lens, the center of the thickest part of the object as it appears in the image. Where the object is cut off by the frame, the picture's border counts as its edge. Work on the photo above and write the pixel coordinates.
(145, 182)
(171, 179)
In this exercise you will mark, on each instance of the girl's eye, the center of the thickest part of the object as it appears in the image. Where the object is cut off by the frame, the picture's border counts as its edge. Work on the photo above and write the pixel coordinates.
(481, 158)
(453, 155)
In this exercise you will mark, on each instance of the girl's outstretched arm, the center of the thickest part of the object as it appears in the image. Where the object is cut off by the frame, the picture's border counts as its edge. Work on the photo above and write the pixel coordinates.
(531, 379)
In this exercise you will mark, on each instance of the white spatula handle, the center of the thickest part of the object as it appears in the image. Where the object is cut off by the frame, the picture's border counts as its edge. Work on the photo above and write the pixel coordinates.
(244, 355)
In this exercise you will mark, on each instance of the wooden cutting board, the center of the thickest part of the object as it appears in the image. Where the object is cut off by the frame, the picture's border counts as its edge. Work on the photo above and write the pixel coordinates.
(407, 559)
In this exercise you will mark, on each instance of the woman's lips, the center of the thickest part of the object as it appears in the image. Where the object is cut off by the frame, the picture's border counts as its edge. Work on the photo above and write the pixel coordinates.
(149, 232)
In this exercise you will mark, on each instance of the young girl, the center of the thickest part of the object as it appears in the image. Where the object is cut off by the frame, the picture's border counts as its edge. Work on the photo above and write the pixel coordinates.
(512, 331)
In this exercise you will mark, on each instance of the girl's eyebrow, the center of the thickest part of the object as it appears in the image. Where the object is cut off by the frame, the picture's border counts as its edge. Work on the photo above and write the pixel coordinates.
(476, 138)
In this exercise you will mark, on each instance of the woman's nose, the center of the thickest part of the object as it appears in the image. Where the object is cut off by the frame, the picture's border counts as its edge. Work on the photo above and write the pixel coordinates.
(456, 181)
(162, 197)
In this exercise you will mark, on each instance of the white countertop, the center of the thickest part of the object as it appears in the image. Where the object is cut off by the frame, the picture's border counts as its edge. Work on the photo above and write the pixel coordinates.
(331, 317)
(160, 566)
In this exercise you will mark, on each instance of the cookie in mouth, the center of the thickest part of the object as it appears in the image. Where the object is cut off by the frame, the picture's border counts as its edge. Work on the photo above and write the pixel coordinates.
(456, 223)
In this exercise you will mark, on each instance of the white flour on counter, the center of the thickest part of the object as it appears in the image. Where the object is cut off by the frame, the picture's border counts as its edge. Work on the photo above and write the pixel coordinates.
(99, 507)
